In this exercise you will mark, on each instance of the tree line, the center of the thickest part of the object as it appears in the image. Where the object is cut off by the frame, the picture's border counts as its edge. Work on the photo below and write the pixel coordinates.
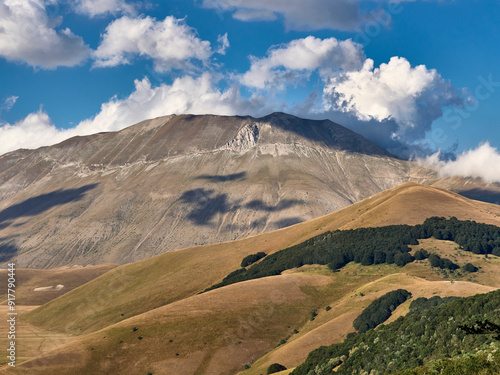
(367, 246)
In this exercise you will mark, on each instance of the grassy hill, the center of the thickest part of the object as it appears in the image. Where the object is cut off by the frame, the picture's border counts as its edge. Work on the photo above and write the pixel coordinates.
(139, 287)
(28, 280)
(222, 330)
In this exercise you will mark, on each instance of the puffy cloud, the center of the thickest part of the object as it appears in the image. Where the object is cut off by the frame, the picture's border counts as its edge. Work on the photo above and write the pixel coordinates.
(34, 131)
(28, 34)
(170, 43)
(297, 14)
(184, 95)
(411, 96)
(95, 8)
(481, 162)
(300, 57)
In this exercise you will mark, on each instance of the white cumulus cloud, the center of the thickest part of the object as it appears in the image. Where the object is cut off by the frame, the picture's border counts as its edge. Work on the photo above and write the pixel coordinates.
(288, 62)
(481, 162)
(171, 43)
(411, 96)
(297, 14)
(186, 95)
(34, 131)
(93, 8)
(28, 34)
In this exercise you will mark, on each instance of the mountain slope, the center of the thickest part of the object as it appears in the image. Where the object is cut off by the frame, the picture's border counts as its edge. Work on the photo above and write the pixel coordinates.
(180, 181)
(158, 298)
(151, 283)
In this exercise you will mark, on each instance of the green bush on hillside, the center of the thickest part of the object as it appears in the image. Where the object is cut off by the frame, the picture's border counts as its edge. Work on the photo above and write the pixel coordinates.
(470, 268)
(421, 254)
(443, 263)
(275, 367)
(251, 259)
(380, 310)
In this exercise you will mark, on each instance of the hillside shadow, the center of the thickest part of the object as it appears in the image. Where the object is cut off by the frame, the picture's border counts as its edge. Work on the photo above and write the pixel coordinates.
(8, 250)
(483, 195)
(223, 178)
(284, 204)
(287, 222)
(207, 204)
(42, 203)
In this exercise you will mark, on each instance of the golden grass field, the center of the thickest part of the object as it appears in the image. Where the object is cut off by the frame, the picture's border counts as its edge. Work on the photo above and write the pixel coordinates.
(122, 321)
(69, 277)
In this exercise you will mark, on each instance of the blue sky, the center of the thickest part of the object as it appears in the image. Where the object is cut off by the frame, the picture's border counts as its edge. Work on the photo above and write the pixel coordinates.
(414, 76)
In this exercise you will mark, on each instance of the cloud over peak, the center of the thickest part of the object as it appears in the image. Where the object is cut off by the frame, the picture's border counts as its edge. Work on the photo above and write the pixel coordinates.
(411, 96)
(186, 95)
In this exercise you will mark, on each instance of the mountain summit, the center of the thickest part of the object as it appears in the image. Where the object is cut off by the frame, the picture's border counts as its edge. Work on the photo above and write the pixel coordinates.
(178, 181)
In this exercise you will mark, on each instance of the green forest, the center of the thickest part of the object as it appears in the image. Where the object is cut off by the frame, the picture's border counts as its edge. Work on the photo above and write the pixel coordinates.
(434, 329)
(369, 246)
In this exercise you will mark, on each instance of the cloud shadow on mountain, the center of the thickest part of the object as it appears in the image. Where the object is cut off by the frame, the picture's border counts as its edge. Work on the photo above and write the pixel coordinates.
(284, 204)
(223, 178)
(206, 204)
(8, 250)
(42, 203)
(287, 222)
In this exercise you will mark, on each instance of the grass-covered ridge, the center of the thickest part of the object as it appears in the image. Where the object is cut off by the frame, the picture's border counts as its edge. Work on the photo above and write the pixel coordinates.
(369, 246)
(411, 341)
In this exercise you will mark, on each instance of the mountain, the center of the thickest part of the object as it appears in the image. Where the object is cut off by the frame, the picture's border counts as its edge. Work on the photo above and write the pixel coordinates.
(180, 181)
(152, 310)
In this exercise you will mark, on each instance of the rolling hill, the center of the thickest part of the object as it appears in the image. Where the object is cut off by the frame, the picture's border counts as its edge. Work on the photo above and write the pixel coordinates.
(136, 309)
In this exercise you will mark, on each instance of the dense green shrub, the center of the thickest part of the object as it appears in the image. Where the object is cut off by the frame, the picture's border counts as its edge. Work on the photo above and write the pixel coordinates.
(421, 254)
(275, 367)
(380, 310)
(470, 268)
(251, 259)
(314, 314)
(443, 263)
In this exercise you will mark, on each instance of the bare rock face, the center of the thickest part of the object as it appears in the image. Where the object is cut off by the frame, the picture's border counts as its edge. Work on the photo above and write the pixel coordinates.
(246, 138)
(179, 181)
